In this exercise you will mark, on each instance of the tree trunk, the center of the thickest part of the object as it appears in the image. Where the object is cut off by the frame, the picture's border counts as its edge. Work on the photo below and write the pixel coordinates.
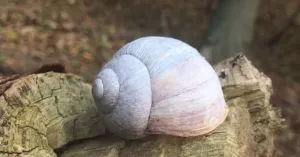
(53, 114)
(231, 29)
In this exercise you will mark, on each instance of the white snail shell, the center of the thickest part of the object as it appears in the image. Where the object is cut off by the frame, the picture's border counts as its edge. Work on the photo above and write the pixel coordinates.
(159, 85)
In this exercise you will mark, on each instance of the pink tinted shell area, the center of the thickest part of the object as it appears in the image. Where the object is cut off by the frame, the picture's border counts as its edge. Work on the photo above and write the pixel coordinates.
(187, 100)
(194, 123)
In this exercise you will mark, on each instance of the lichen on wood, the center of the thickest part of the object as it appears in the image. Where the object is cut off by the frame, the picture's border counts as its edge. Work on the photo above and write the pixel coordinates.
(42, 112)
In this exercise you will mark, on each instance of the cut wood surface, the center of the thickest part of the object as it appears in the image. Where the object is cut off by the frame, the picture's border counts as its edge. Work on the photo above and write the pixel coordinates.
(53, 114)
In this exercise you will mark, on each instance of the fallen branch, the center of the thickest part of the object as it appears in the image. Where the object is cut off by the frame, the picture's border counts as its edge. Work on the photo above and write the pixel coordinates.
(53, 114)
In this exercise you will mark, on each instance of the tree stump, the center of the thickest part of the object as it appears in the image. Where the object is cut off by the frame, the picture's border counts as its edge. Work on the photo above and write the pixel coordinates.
(53, 114)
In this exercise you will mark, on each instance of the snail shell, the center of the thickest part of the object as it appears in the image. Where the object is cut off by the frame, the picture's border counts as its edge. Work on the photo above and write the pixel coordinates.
(159, 85)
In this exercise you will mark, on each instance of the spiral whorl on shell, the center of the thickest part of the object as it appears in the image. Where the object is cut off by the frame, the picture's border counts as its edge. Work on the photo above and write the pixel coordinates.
(159, 85)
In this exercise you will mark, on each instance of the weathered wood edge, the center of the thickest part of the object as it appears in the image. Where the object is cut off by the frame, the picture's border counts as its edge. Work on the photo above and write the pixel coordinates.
(43, 112)
(239, 78)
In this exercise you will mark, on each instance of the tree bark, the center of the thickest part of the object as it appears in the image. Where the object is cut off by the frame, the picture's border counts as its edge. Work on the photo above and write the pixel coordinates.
(53, 114)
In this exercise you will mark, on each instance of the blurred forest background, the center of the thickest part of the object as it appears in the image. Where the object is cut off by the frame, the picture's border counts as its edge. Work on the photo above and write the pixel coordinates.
(84, 34)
